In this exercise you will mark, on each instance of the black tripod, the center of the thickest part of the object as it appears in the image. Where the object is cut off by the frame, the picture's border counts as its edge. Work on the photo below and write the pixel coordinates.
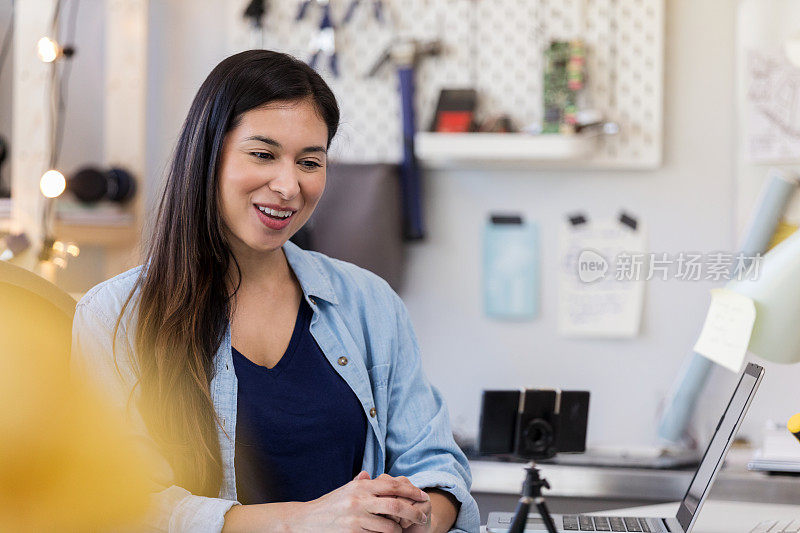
(532, 492)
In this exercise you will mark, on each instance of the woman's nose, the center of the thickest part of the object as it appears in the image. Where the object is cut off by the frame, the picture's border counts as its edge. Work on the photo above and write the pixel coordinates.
(284, 182)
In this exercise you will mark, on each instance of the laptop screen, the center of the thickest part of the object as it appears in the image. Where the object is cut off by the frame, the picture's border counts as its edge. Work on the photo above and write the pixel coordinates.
(720, 442)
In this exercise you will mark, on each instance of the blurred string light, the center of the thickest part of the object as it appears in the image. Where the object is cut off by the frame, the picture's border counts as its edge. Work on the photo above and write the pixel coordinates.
(59, 252)
(63, 251)
(52, 184)
(48, 50)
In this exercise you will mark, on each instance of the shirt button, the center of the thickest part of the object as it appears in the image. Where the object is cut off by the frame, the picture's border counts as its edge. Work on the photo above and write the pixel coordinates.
(312, 300)
(342, 361)
(373, 412)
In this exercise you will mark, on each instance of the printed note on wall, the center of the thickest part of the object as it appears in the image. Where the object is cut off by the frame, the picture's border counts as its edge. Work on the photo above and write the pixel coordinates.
(601, 283)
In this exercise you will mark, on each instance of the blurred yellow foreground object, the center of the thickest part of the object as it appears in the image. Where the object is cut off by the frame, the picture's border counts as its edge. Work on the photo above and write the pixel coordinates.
(64, 462)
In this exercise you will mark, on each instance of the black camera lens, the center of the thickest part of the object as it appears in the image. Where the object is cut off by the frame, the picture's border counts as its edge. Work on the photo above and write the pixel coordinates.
(539, 438)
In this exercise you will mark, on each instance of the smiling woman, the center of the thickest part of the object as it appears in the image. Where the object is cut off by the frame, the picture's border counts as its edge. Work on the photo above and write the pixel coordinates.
(265, 375)
(295, 169)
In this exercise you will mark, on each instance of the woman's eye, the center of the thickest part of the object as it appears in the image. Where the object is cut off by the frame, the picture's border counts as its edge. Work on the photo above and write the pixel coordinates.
(310, 164)
(262, 155)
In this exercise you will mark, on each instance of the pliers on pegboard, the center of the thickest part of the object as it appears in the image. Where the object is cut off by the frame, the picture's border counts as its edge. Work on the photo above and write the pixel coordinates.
(377, 7)
(324, 41)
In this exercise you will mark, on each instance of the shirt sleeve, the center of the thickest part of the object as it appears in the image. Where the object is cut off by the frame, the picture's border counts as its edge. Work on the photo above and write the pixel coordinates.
(419, 441)
(172, 508)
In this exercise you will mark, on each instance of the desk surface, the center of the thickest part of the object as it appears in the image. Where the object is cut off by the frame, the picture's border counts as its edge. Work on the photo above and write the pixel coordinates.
(734, 483)
(718, 516)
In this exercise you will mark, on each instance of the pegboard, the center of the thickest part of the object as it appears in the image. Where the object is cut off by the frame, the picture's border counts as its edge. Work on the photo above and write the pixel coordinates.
(495, 46)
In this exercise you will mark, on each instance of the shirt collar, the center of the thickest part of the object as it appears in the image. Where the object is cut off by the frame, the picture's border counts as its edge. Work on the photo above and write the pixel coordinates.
(313, 279)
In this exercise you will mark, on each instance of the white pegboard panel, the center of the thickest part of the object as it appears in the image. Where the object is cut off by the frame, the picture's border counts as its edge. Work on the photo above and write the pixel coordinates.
(495, 46)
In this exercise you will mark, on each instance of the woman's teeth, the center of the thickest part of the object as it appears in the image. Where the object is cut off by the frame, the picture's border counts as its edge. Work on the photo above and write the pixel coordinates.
(274, 213)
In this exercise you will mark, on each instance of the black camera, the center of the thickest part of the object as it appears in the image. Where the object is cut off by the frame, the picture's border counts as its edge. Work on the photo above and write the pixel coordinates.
(533, 423)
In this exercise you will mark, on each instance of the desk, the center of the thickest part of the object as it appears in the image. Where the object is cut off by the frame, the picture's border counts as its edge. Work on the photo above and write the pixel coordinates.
(719, 516)
(577, 489)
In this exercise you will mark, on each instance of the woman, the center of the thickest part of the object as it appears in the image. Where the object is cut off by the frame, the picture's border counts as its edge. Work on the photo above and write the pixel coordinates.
(260, 372)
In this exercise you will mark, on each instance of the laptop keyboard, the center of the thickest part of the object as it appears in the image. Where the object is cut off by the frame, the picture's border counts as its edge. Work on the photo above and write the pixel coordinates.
(606, 523)
(777, 526)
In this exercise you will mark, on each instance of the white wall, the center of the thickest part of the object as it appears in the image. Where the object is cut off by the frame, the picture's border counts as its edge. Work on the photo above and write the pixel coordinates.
(83, 117)
(187, 40)
(687, 205)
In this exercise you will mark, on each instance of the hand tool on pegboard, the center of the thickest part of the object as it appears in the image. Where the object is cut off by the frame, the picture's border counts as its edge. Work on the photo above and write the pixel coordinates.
(255, 12)
(324, 41)
(377, 10)
(405, 54)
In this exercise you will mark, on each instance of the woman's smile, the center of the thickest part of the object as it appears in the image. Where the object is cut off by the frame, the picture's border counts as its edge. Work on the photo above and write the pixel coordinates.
(274, 218)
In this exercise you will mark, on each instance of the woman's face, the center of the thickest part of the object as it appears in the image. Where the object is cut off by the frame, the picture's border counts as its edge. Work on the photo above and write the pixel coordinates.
(272, 174)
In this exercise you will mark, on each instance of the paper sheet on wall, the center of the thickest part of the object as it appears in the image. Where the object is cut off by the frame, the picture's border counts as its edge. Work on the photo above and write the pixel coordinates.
(511, 269)
(727, 329)
(596, 301)
(772, 108)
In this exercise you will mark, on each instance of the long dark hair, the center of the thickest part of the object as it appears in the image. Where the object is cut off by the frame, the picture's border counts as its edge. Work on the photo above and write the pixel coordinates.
(184, 301)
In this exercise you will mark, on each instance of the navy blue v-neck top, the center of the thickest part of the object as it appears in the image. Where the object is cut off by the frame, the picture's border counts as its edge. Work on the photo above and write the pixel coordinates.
(300, 428)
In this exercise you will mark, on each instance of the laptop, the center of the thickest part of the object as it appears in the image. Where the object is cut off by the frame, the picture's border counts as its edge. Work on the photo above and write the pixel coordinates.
(695, 496)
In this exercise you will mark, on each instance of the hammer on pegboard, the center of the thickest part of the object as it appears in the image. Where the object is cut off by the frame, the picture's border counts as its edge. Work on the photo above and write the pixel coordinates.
(405, 54)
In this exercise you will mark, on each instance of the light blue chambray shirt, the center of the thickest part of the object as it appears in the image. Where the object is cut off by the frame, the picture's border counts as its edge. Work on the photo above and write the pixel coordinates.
(363, 329)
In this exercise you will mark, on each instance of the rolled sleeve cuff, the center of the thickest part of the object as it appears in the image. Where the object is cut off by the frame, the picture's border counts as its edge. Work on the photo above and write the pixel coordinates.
(468, 519)
(200, 514)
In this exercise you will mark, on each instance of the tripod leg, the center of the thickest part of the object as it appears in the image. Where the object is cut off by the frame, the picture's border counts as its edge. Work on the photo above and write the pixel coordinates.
(520, 515)
(541, 505)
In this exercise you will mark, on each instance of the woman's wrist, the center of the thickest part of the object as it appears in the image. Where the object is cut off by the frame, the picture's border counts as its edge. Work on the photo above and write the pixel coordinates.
(273, 517)
(444, 510)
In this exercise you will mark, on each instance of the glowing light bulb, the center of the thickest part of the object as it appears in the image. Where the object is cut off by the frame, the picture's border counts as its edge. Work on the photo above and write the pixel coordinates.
(47, 49)
(73, 250)
(58, 246)
(52, 183)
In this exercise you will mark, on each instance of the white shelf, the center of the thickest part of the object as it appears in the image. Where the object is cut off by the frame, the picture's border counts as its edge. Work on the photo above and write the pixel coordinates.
(102, 226)
(434, 149)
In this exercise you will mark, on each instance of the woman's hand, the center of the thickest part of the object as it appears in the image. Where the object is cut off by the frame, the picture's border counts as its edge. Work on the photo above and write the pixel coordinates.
(381, 505)
(408, 526)
(442, 510)
(413, 527)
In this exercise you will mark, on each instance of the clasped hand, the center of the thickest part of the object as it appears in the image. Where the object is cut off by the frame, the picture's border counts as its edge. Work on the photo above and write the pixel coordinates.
(385, 504)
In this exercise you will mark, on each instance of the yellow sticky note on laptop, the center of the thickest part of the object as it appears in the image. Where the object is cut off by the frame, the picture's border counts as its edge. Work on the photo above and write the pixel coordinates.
(727, 329)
